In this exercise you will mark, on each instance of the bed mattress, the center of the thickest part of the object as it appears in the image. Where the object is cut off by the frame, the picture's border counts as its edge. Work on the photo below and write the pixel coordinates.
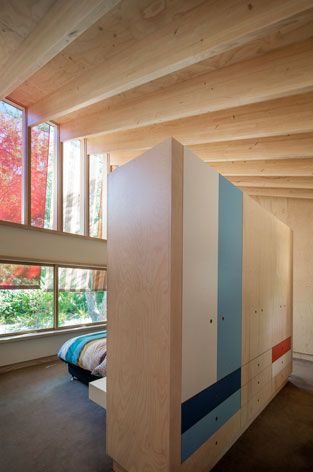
(88, 352)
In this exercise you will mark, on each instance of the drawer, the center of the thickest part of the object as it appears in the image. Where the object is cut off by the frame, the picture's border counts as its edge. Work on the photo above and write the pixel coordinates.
(259, 381)
(281, 363)
(259, 363)
(259, 401)
(279, 379)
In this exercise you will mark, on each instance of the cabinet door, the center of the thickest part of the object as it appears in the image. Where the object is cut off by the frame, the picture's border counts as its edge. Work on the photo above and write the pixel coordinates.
(229, 278)
(200, 251)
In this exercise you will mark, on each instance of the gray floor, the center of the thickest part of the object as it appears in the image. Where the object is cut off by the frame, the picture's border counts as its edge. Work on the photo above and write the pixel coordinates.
(48, 424)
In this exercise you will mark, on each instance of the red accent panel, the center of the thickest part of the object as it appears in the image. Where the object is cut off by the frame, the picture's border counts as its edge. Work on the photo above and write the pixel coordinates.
(281, 349)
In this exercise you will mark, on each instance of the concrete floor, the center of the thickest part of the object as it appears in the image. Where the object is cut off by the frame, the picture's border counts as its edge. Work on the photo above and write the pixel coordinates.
(47, 424)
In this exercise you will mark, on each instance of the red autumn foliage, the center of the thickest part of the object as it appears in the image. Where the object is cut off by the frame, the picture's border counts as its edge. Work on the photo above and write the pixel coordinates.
(11, 162)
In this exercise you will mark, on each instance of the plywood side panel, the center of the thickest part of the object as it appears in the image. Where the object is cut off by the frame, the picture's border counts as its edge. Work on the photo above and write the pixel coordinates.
(267, 281)
(200, 255)
(142, 319)
(298, 214)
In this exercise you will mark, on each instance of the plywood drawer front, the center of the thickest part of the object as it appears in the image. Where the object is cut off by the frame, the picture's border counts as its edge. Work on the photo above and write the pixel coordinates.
(259, 382)
(258, 401)
(257, 365)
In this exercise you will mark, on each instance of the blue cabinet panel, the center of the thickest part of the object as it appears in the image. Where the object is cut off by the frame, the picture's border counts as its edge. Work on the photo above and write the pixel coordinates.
(229, 278)
(199, 433)
(195, 408)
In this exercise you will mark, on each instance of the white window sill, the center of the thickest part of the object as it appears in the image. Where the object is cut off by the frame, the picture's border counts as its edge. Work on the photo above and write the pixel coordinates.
(27, 336)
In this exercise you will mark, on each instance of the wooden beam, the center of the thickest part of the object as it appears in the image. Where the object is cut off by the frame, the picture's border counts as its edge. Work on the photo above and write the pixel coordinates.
(273, 147)
(62, 23)
(196, 32)
(279, 192)
(273, 118)
(273, 182)
(301, 167)
(243, 83)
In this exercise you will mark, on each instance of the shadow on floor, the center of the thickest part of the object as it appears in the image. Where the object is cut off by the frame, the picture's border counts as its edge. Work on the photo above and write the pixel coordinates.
(47, 424)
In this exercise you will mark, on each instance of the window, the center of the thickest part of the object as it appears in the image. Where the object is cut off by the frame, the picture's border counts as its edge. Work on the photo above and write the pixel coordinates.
(31, 301)
(43, 176)
(82, 296)
(36, 185)
(11, 162)
(97, 196)
(26, 298)
(72, 187)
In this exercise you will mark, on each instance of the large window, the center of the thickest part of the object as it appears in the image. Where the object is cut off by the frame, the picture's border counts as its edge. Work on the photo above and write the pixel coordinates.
(97, 196)
(43, 176)
(72, 187)
(82, 296)
(11, 163)
(37, 190)
(30, 300)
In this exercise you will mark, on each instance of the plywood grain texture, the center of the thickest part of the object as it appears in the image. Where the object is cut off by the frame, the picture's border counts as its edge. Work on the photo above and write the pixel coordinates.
(145, 330)
(298, 214)
(151, 426)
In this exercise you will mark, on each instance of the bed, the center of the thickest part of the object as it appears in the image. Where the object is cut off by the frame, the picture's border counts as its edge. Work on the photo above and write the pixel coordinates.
(85, 356)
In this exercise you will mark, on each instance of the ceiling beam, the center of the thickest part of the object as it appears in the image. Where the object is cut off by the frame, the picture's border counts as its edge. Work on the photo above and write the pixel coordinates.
(195, 33)
(273, 118)
(273, 182)
(273, 147)
(251, 81)
(300, 167)
(279, 192)
(62, 23)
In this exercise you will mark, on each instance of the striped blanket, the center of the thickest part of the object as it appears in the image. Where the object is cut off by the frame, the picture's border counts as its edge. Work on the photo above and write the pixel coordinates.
(87, 351)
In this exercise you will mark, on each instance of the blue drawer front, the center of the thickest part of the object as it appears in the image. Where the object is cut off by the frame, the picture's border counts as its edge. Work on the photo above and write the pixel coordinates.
(200, 432)
(229, 278)
(198, 406)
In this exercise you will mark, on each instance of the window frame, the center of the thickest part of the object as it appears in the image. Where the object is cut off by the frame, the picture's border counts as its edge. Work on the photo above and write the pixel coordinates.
(55, 266)
(58, 181)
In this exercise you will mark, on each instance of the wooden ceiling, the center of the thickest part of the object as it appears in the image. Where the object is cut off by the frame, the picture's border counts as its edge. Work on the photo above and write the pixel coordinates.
(231, 79)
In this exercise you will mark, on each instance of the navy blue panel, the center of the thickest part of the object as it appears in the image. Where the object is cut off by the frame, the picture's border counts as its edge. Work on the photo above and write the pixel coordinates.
(229, 278)
(201, 404)
(198, 434)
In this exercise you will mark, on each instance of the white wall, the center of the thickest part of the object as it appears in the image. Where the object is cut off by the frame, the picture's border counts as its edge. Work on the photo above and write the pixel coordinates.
(18, 242)
(36, 346)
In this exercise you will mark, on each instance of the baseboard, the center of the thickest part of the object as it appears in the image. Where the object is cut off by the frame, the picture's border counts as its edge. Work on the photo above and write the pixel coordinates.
(305, 357)
(32, 362)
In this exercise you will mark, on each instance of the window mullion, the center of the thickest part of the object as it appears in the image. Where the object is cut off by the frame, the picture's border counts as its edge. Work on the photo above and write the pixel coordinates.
(56, 296)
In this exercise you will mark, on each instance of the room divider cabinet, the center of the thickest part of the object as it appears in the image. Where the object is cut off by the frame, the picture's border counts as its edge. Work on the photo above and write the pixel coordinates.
(199, 312)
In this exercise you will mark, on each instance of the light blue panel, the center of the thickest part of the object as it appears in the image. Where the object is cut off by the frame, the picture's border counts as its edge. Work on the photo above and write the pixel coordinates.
(229, 279)
(199, 433)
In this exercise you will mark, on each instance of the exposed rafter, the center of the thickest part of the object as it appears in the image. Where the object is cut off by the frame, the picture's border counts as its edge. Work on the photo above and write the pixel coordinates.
(273, 118)
(279, 192)
(243, 83)
(273, 147)
(63, 22)
(196, 32)
(299, 167)
(273, 182)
